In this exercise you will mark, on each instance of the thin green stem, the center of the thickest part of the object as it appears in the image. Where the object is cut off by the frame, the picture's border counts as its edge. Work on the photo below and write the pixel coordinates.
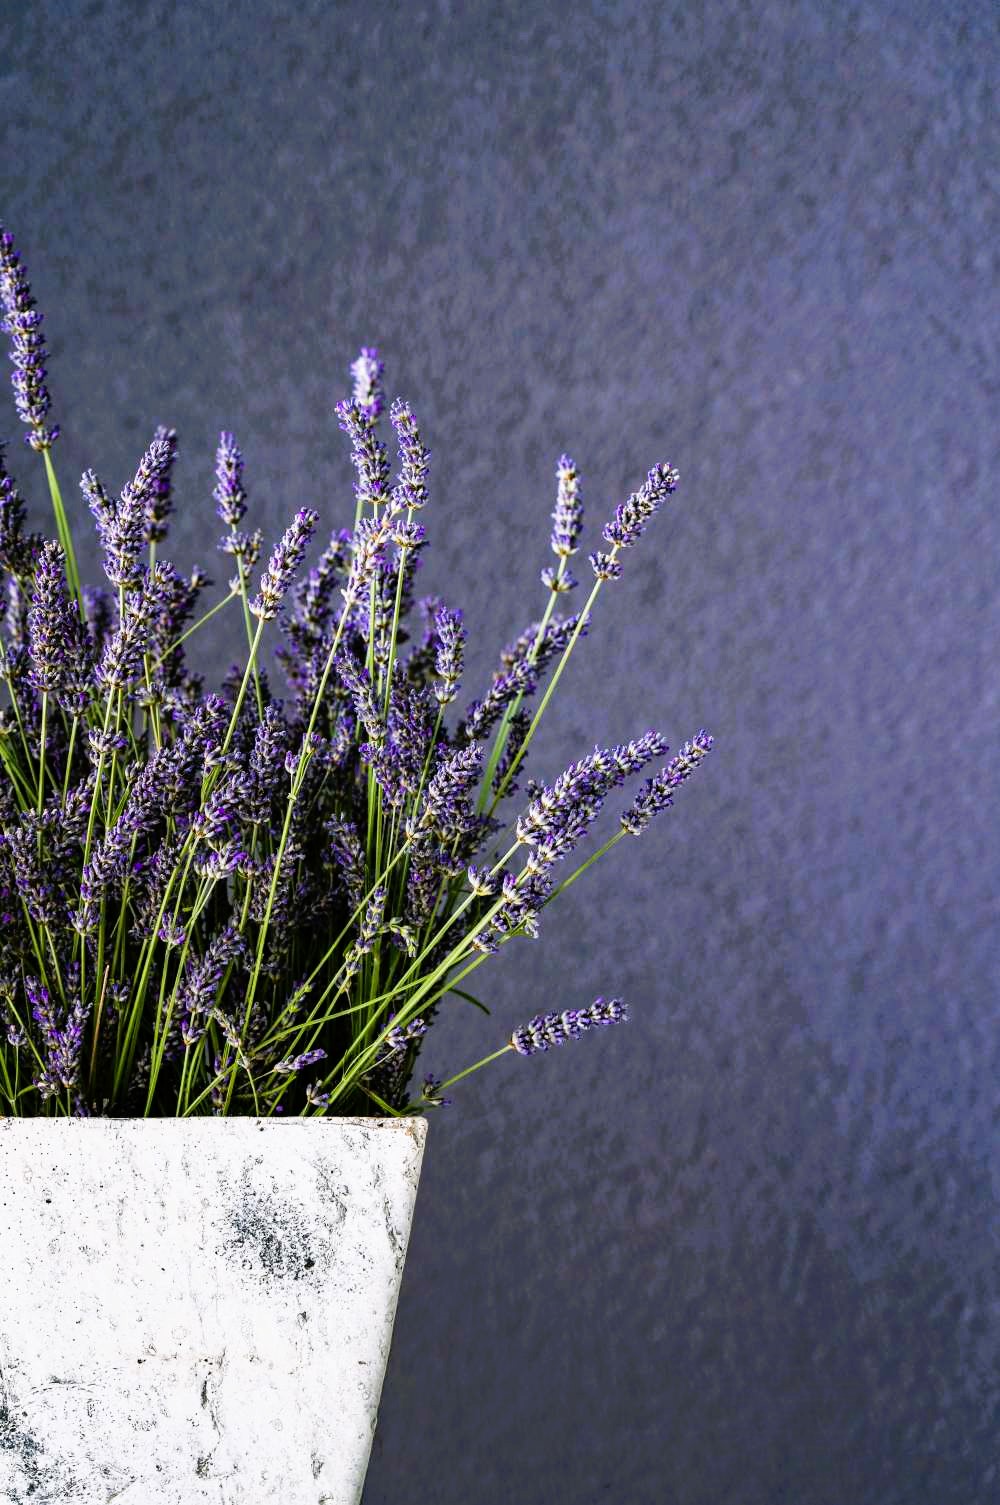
(232, 596)
(63, 530)
(470, 1069)
(41, 751)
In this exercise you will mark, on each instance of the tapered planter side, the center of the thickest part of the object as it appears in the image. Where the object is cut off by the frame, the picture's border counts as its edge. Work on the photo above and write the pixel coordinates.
(198, 1310)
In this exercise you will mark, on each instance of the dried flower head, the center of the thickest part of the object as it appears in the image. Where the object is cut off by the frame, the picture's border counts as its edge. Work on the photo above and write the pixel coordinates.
(23, 323)
(284, 561)
(546, 1030)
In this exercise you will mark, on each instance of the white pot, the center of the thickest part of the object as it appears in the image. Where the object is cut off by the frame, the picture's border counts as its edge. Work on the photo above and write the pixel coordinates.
(198, 1310)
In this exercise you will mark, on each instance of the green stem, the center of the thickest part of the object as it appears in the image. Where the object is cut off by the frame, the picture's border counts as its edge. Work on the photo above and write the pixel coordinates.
(62, 528)
(194, 628)
(69, 758)
(41, 751)
(470, 1069)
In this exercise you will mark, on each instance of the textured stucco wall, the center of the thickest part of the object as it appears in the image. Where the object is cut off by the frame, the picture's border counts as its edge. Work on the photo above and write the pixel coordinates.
(743, 1249)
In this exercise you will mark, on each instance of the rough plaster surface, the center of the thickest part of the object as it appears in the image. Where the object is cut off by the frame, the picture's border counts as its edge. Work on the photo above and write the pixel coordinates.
(198, 1312)
(745, 1248)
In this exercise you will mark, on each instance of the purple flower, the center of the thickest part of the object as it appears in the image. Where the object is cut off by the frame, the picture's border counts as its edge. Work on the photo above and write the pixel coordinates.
(159, 503)
(123, 530)
(368, 453)
(51, 622)
(480, 881)
(104, 873)
(370, 540)
(524, 896)
(197, 995)
(444, 809)
(266, 772)
(631, 517)
(366, 373)
(523, 662)
(371, 922)
(546, 1030)
(429, 1091)
(400, 1036)
(558, 817)
(406, 535)
(33, 874)
(411, 489)
(657, 793)
(347, 856)
(285, 560)
(297, 1063)
(101, 506)
(482, 715)
(423, 882)
(368, 932)
(229, 495)
(567, 521)
(554, 637)
(314, 595)
(18, 550)
(398, 760)
(171, 932)
(121, 661)
(23, 323)
(556, 582)
(605, 566)
(357, 681)
(448, 661)
(61, 1040)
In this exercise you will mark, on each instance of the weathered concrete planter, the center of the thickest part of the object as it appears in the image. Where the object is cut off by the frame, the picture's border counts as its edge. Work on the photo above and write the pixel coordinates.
(198, 1309)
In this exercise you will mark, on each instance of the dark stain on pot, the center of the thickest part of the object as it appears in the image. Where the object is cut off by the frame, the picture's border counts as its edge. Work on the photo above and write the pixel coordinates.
(334, 1192)
(18, 1440)
(390, 1228)
(39, 1479)
(271, 1238)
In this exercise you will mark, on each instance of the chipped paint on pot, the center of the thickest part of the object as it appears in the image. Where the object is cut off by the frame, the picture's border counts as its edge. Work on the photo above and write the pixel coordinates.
(198, 1310)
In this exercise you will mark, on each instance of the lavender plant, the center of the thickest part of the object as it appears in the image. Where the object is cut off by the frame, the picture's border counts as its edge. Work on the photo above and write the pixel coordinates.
(240, 902)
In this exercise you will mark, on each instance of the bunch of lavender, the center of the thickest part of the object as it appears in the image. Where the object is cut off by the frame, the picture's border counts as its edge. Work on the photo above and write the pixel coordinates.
(235, 902)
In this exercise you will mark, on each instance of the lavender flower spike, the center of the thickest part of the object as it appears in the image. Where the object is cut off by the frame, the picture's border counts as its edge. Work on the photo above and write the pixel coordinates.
(568, 515)
(229, 495)
(23, 323)
(62, 1042)
(567, 521)
(448, 662)
(412, 488)
(657, 793)
(284, 561)
(123, 533)
(368, 453)
(51, 622)
(546, 1030)
(367, 372)
(631, 517)
(559, 816)
(159, 502)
